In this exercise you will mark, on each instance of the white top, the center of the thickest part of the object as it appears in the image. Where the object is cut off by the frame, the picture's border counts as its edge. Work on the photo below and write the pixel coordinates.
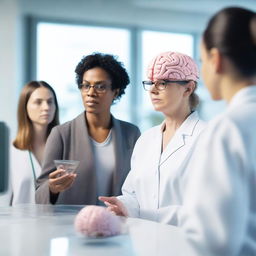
(153, 187)
(220, 202)
(22, 179)
(104, 164)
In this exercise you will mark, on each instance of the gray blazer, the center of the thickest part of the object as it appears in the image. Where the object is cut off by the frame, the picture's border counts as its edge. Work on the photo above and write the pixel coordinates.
(71, 141)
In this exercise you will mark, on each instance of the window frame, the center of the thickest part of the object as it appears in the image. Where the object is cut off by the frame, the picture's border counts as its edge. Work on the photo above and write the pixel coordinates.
(136, 73)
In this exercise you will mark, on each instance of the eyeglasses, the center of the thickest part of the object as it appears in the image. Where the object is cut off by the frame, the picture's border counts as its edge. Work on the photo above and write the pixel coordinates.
(160, 85)
(99, 88)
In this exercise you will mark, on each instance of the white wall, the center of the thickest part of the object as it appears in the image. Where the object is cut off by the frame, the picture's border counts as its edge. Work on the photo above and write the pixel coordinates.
(10, 72)
(115, 12)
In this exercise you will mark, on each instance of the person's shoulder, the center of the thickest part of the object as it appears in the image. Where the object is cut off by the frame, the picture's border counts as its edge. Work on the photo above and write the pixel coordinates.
(223, 121)
(151, 132)
(148, 137)
(66, 126)
(200, 126)
(239, 122)
(127, 125)
(17, 154)
(221, 128)
(199, 122)
(15, 150)
(244, 116)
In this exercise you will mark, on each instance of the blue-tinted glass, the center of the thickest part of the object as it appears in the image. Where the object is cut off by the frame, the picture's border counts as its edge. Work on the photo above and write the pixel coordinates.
(59, 52)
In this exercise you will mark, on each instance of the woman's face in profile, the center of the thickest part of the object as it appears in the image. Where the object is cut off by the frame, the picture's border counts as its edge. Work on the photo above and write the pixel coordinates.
(41, 107)
(96, 91)
(209, 74)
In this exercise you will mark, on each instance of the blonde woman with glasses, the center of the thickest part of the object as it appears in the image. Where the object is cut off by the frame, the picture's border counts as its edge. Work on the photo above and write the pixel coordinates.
(154, 187)
(101, 143)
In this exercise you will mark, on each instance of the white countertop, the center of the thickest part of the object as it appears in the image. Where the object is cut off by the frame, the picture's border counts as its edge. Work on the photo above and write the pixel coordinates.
(48, 230)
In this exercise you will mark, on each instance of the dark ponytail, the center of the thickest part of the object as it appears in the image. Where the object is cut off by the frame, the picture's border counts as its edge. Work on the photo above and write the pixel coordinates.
(253, 29)
(233, 32)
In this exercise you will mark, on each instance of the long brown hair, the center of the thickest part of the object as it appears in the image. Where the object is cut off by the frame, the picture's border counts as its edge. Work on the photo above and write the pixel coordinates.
(24, 135)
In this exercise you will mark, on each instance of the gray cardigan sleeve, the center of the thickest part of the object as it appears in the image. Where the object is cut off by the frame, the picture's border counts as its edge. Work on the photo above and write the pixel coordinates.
(53, 151)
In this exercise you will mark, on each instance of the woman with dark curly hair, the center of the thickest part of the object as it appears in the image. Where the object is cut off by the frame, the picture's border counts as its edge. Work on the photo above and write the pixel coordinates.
(101, 143)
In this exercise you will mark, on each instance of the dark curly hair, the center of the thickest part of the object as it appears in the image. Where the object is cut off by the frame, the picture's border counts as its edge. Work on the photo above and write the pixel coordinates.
(109, 63)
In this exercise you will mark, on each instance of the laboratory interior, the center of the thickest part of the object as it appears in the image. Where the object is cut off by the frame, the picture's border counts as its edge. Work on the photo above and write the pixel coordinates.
(45, 41)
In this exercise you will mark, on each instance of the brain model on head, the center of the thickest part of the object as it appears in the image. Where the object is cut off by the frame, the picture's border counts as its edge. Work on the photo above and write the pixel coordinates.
(172, 66)
(97, 221)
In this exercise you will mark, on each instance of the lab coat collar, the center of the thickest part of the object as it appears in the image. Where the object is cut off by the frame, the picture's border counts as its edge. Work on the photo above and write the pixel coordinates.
(178, 141)
(187, 127)
(244, 95)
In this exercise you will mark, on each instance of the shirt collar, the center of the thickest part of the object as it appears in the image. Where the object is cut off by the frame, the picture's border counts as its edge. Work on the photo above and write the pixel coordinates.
(187, 127)
(243, 95)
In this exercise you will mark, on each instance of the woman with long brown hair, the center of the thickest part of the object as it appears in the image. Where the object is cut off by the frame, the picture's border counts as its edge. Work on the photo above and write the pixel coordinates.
(38, 113)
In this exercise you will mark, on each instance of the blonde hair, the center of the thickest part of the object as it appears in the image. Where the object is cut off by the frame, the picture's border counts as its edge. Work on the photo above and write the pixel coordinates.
(194, 99)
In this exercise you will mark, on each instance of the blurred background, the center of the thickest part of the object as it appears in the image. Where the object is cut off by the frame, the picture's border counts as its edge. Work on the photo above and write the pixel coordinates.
(44, 40)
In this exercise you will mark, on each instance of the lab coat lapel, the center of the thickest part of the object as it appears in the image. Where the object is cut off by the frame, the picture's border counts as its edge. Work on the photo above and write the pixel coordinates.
(120, 149)
(176, 143)
(157, 151)
(179, 139)
(82, 151)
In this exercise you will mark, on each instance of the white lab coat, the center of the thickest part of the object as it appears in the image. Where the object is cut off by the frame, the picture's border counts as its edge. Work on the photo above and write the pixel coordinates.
(219, 213)
(22, 180)
(152, 189)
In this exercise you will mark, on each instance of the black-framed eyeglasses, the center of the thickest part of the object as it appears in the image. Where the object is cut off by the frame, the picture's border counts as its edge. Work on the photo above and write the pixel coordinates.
(160, 85)
(99, 88)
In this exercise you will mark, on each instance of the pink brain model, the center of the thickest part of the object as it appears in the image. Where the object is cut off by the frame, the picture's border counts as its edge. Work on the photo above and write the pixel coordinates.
(172, 66)
(97, 221)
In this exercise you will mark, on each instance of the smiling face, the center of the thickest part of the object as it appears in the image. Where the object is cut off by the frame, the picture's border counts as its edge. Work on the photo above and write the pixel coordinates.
(96, 101)
(41, 107)
(170, 100)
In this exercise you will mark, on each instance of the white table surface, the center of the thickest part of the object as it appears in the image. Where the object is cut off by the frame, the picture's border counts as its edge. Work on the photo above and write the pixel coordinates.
(49, 230)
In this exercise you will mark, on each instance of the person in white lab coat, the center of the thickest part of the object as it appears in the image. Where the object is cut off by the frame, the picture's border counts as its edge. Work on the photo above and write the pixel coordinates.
(37, 113)
(219, 213)
(152, 189)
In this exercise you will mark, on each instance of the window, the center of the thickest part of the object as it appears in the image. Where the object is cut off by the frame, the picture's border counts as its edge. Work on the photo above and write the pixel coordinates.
(59, 52)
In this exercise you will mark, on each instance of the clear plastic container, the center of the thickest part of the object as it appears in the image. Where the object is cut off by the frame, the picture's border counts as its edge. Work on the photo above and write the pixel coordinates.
(69, 166)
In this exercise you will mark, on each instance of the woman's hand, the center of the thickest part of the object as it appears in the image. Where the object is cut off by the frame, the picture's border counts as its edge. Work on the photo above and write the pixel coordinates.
(59, 180)
(114, 205)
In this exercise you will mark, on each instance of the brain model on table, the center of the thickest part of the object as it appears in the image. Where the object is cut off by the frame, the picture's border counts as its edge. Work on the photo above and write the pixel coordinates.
(97, 221)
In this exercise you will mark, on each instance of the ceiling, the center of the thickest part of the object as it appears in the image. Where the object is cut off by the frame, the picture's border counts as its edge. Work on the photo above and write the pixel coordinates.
(194, 6)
